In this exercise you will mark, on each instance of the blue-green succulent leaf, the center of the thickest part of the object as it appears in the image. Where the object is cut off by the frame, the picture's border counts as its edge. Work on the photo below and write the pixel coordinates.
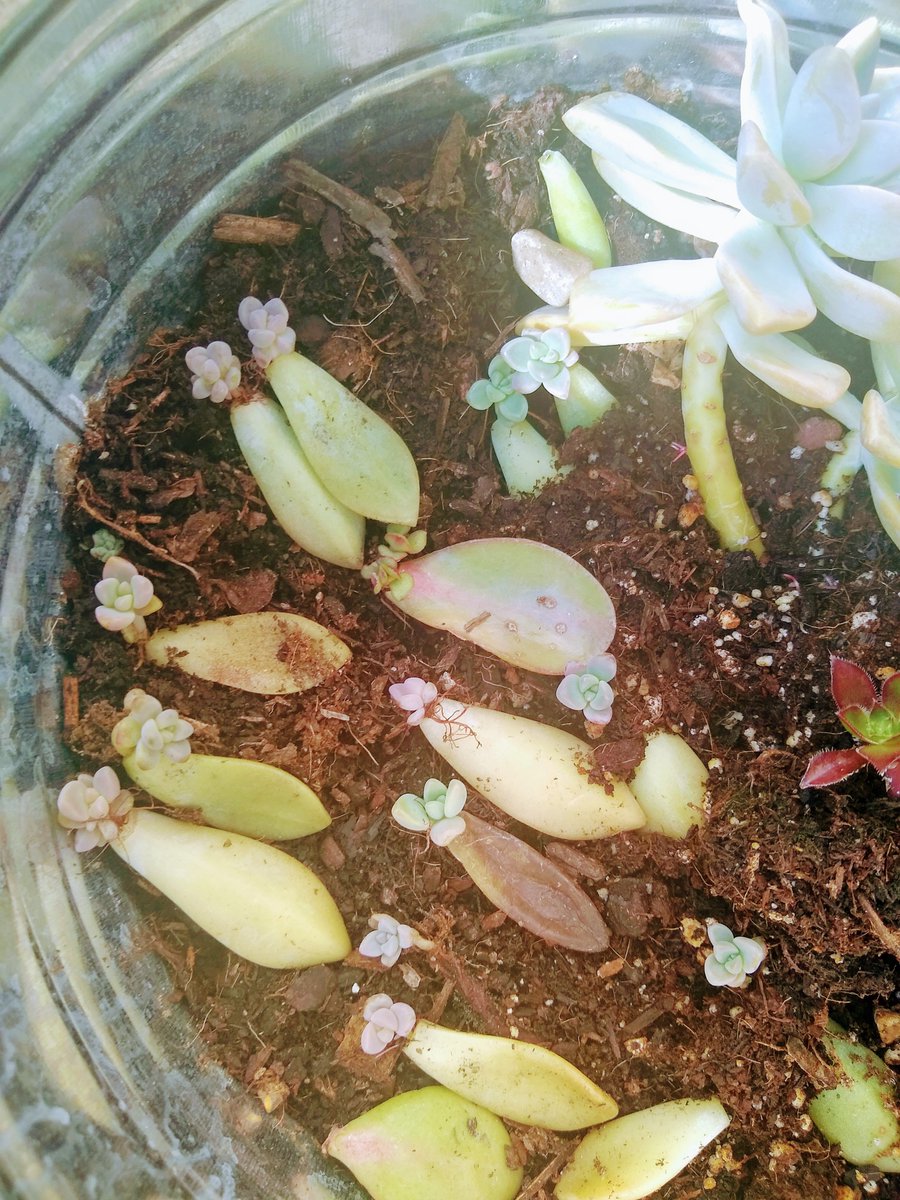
(823, 114)
(856, 220)
(874, 158)
(766, 189)
(861, 43)
(768, 76)
(669, 206)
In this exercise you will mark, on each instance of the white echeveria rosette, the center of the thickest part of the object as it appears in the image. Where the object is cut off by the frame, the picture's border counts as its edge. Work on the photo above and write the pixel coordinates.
(436, 812)
(540, 358)
(385, 1023)
(126, 597)
(267, 328)
(415, 697)
(150, 731)
(215, 372)
(388, 939)
(95, 807)
(586, 688)
(732, 959)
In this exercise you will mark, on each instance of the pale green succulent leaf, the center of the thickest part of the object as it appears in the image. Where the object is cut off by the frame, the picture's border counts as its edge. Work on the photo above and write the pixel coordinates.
(642, 293)
(586, 404)
(880, 429)
(694, 215)
(762, 280)
(635, 134)
(525, 457)
(579, 225)
(823, 114)
(875, 157)
(765, 187)
(768, 77)
(861, 43)
(886, 355)
(851, 301)
(856, 220)
(884, 484)
(669, 783)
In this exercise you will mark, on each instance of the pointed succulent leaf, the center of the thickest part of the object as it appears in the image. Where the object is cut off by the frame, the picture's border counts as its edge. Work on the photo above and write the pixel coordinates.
(669, 783)
(529, 888)
(636, 1155)
(633, 133)
(861, 44)
(822, 116)
(528, 603)
(642, 293)
(535, 773)
(882, 755)
(851, 301)
(831, 766)
(694, 215)
(410, 1146)
(762, 280)
(579, 225)
(257, 901)
(246, 797)
(516, 1080)
(271, 653)
(785, 366)
(878, 432)
(874, 158)
(526, 459)
(850, 684)
(587, 403)
(856, 220)
(765, 187)
(767, 78)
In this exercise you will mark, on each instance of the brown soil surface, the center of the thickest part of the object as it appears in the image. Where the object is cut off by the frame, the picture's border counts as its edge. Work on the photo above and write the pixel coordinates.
(731, 653)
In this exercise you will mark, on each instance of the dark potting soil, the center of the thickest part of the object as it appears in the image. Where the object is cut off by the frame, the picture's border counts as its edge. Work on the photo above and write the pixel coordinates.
(731, 653)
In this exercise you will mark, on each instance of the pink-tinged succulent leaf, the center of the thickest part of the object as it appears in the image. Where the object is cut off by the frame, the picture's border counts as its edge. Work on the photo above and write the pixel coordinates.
(890, 696)
(883, 755)
(529, 888)
(530, 604)
(851, 685)
(831, 766)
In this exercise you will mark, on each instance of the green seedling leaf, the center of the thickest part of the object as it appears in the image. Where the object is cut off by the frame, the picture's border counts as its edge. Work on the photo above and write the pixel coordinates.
(425, 1145)
(860, 1114)
(691, 214)
(633, 1156)
(526, 459)
(516, 1080)
(247, 797)
(302, 505)
(533, 772)
(579, 225)
(670, 786)
(530, 604)
(272, 653)
(822, 116)
(762, 279)
(256, 900)
(529, 888)
(587, 403)
(359, 458)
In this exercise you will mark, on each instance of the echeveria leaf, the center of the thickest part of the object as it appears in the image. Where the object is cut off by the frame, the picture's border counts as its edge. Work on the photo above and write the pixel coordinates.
(526, 459)
(851, 685)
(884, 484)
(579, 225)
(861, 43)
(762, 280)
(768, 76)
(766, 188)
(690, 214)
(587, 403)
(530, 604)
(856, 220)
(879, 433)
(822, 116)
(669, 784)
(532, 890)
(830, 767)
(642, 293)
(516, 1080)
(635, 134)
(851, 301)
(875, 157)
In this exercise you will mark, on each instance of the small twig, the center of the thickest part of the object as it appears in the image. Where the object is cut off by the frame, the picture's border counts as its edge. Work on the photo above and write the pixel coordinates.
(390, 253)
(888, 938)
(130, 535)
(551, 1169)
(255, 231)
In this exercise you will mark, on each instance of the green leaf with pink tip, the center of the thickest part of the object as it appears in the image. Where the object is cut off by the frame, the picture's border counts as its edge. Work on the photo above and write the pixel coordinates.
(530, 604)
(428, 1145)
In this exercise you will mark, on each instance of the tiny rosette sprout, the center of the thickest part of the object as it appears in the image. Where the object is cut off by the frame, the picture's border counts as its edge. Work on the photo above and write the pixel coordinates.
(541, 358)
(95, 807)
(732, 958)
(586, 688)
(126, 597)
(437, 810)
(384, 573)
(386, 1021)
(500, 391)
(106, 545)
(415, 697)
(267, 328)
(215, 372)
(150, 731)
(388, 939)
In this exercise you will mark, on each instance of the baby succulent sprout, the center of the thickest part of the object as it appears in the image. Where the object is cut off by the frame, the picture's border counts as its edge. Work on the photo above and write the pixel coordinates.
(436, 811)
(105, 545)
(732, 959)
(388, 939)
(384, 573)
(386, 1021)
(267, 329)
(126, 597)
(149, 732)
(498, 391)
(415, 697)
(95, 807)
(215, 372)
(872, 717)
(586, 688)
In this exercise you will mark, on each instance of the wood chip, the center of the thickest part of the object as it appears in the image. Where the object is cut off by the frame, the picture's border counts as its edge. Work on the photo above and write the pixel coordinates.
(70, 701)
(444, 189)
(255, 231)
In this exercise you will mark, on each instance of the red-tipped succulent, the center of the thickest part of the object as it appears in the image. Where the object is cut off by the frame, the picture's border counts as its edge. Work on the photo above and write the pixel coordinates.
(872, 718)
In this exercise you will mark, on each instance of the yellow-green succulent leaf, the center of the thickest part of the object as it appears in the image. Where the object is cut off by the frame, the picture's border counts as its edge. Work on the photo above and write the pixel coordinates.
(256, 900)
(587, 403)
(526, 459)
(536, 773)
(302, 505)
(633, 1156)
(358, 457)
(516, 1080)
(669, 784)
(271, 653)
(428, 1145)
(579, 225)
(247, 797)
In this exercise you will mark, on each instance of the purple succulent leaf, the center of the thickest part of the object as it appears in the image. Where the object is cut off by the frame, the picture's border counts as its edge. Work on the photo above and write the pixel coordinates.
(850, 684)
(831, 766)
